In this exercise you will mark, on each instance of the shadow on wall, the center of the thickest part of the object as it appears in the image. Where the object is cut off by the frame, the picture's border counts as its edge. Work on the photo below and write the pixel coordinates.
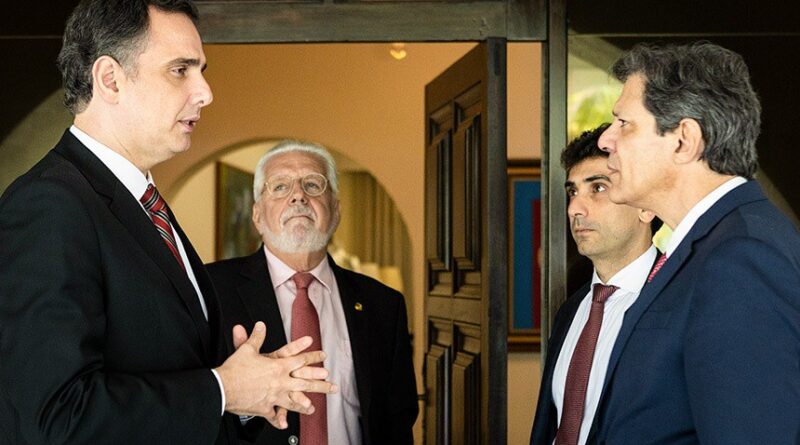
(33, 137)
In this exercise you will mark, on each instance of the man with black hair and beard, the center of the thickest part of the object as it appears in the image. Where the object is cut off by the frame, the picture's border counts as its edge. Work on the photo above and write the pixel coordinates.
(294, 286)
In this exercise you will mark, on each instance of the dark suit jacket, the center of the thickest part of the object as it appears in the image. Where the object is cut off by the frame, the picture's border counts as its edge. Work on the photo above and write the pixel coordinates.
(378, 336)
(545, 422)
(710, 351)
(102, 336)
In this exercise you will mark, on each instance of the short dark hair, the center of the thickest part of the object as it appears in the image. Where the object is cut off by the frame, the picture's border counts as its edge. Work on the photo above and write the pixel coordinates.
(707, 83)
(115, 28)
(583, 147)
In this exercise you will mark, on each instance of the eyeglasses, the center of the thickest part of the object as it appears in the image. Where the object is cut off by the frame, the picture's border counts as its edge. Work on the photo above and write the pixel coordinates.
(313, 184)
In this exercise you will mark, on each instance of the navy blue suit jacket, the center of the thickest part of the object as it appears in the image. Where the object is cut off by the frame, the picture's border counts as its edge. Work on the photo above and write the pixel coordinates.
(710, 351)
(545, 423)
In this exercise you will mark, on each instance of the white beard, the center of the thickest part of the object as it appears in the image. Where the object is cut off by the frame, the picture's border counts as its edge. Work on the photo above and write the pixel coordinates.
(298, 236)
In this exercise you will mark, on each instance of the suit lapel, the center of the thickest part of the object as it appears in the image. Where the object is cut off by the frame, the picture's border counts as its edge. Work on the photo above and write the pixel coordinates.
(258, 297)
(560, 330)
(745, 193)
(357, 330)
(211, 329)
(131, 216)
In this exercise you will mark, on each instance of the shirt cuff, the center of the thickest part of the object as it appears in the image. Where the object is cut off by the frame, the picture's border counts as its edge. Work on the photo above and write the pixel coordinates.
(221, 390)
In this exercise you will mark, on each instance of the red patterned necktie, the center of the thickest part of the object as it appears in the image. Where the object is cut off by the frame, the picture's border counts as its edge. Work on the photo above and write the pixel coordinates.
(305, 321)
(661, 260)
(579, 367)
(157, 209)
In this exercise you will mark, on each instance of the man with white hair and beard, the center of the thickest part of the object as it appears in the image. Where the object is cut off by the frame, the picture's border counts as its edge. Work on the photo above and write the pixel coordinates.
(296, 288)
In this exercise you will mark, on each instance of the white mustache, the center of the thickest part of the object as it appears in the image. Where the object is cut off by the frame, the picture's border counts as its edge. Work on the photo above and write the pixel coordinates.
(292, 212)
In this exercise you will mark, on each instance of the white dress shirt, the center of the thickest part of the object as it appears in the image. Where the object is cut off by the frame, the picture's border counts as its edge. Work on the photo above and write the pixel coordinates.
(630, 281)
(343, 407)
(136, 182)
(698, 210)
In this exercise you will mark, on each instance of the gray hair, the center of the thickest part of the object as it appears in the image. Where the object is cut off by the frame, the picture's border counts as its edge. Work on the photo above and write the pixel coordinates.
(707, 83)
(294, 146)
(115, 28)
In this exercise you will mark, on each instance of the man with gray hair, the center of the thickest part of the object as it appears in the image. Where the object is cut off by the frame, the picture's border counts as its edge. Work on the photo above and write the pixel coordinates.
(709, 352)
(296, 287)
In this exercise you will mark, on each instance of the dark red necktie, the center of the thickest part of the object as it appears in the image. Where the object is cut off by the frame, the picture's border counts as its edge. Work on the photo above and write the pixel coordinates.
(157, 208)
(305, 321)
(661, 260)
(579, 367)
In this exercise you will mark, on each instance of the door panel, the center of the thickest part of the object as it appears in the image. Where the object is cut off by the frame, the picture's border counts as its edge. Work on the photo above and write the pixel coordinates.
(466, 250)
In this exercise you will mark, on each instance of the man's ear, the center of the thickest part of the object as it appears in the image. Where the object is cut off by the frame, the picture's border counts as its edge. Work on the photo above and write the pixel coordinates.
(335, 214)
(646, 216)
(106, 75)
(690, 141)
(256, 217)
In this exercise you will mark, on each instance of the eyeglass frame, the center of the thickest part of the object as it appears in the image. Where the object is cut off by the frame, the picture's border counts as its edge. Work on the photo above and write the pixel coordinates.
(291, 185)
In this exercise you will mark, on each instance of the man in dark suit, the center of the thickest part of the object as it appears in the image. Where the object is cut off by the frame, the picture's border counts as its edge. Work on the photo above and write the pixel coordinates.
(617, 239)
(709, 353)
(362, 324)
(110, 331)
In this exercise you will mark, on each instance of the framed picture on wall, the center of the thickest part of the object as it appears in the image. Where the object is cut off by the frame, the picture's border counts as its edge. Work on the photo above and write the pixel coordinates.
(235, 234)
(525, 255)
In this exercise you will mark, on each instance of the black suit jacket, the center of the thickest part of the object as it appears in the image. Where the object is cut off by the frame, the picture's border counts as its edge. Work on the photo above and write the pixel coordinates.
(545, 422)
(102, 336)
(379, 339)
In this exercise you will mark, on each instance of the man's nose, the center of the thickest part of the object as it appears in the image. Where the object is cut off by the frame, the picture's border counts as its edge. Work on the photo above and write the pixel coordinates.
(576, 207)
(297, 193)
(607, 140)
(203, 94)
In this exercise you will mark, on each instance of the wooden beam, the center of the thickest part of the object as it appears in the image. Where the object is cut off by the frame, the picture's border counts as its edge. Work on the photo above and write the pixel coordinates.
(554, 278)
(259, 21)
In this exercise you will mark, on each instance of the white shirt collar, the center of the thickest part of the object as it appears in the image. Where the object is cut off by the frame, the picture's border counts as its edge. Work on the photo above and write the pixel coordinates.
(631, 278)
(280, 272)
(698, 210)
(130, 176)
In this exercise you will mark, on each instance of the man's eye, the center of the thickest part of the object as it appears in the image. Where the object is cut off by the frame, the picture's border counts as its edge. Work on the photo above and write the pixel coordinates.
(278, 187)
(571, 193)
(180, 71)
(599, 188)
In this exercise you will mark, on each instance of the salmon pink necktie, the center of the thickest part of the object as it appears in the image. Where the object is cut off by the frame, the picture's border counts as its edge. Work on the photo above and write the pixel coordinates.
(661, 260)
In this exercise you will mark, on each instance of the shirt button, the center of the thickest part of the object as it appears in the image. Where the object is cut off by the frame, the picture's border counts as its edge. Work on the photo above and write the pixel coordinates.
(293, 440)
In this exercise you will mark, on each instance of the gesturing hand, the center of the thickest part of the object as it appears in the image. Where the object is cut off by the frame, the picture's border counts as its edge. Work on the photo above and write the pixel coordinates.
(256, 384)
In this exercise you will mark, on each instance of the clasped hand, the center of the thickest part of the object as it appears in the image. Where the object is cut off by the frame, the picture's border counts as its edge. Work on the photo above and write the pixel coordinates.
(268, 385)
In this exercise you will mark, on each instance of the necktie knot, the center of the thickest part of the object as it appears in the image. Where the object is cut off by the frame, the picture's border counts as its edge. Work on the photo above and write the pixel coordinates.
(601, 292)
(302, 279)
(152, 200)
(157, 208)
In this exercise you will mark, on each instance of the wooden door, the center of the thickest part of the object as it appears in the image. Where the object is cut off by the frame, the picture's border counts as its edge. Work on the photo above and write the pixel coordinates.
(466, 250)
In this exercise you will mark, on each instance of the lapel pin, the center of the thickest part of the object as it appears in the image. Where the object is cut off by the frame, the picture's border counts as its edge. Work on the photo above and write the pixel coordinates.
(359, 307)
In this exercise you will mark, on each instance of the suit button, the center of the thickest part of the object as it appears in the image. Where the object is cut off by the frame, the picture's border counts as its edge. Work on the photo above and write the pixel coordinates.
(293, 440)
